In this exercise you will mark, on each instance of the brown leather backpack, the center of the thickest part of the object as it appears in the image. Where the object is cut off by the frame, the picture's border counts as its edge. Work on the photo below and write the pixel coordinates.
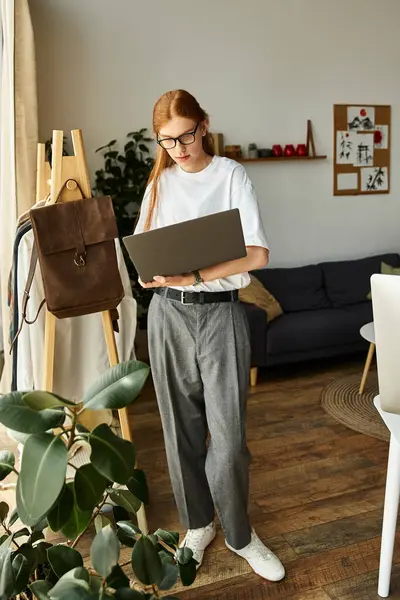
(74, 242)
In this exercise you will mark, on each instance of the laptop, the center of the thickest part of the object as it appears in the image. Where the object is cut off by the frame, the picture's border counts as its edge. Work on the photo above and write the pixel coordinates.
(187, 246)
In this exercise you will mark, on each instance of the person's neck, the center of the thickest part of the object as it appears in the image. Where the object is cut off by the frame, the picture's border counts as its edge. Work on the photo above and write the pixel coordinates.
(202, 162)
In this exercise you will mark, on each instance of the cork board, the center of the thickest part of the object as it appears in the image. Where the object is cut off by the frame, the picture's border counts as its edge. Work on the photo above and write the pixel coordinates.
(361, 140)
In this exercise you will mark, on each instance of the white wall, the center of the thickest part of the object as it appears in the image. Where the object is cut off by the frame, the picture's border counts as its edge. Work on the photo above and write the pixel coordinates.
(261, 68)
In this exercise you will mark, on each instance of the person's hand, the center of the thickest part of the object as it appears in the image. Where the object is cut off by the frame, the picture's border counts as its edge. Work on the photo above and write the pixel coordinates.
(175, 280)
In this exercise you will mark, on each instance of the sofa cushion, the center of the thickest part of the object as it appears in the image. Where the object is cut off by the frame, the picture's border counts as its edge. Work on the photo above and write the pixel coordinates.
(255, 293)
(348, 281)
(297, 288)
(310, 330)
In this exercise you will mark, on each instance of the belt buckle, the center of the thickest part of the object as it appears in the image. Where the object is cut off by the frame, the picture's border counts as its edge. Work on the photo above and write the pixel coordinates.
(183, 299)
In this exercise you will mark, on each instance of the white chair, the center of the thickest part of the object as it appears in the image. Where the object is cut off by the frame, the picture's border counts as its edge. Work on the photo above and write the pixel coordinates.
(386, 310)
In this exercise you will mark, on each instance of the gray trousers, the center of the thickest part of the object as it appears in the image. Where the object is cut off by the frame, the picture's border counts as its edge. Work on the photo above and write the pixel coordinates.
(200, 362)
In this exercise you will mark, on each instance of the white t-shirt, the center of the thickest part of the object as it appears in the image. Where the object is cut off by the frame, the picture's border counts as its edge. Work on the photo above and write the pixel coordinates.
(222, 185)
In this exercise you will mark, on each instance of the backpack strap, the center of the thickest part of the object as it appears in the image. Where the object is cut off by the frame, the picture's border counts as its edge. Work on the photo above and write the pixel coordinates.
(26, 296)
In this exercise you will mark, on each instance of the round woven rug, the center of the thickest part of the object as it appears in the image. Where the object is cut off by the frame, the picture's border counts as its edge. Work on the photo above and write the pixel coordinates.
(342, 401)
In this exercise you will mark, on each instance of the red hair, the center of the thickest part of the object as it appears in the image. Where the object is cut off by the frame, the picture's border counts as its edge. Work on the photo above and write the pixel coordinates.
(177, 103)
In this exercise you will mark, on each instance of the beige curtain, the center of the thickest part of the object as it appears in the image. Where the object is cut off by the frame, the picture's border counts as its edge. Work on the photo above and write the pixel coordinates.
(26, 113)
(18, 142)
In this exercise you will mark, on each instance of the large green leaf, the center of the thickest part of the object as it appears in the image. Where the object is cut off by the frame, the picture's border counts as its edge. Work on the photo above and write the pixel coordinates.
(61, 511)
(40, 525)
(7, 578)
(100, 522)
(22, 571)
(41, 589)
(138, 486)
(184, 555)
(41, 553)
(89, 487)
(127, 533)
(31, 555)
(42, 475)
(187, 572)
(4, 508)
(62, 559)
(38, 400)
(73, 591)
(169, 537)
(5, 546)
(118, 387)
(74, 585)
(7, 462)
(117, 578)
(15, 414)
(78, 519)
(146, 563)
(169, 574)
(13, 518)
(105, 551)
(18, 436)
(112, 456)
(120, 514)
(125, 499)
(95, 585)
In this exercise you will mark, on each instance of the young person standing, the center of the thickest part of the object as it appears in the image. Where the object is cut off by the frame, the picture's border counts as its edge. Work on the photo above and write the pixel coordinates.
(199, 343)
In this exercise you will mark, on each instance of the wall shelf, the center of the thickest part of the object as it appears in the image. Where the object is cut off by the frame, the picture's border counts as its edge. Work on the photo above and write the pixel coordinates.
(279, 158)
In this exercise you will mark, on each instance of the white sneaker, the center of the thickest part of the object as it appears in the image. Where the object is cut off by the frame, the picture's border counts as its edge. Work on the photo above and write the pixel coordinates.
(198, 540)
(261, 559)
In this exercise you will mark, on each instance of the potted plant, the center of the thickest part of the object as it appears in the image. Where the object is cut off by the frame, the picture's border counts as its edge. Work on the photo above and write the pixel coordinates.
(124, 178)
(30, 565)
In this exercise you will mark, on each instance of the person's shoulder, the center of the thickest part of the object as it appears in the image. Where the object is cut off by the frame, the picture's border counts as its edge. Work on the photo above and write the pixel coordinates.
(228, 164)
(234, 169)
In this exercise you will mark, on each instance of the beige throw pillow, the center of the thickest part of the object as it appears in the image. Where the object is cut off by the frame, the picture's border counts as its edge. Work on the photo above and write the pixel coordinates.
(255, 293)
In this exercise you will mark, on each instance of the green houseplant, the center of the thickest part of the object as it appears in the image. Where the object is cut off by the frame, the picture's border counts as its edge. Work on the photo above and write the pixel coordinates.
(30, 565)
(124, 178)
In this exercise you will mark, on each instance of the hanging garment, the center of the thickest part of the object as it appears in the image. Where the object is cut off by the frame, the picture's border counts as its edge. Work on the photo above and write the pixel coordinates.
(80, 348)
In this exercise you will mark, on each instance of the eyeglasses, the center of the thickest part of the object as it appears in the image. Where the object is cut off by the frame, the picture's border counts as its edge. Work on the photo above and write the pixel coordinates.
(186, 139)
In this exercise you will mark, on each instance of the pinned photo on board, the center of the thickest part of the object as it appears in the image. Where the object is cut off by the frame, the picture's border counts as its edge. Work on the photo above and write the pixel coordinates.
(347, 181)
(374, 179)
(381, 137)
(365, 150)
(361, 118)
(346, 144)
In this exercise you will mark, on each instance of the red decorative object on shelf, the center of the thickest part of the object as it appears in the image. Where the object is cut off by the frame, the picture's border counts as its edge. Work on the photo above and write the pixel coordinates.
(277, 150)
(289, 150)
(301, 150)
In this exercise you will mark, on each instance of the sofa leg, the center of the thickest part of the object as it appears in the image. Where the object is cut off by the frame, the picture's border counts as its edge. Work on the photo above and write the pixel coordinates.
(253, 376)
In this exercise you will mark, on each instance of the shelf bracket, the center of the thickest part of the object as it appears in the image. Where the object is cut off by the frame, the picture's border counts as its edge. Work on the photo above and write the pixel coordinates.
(310, 139)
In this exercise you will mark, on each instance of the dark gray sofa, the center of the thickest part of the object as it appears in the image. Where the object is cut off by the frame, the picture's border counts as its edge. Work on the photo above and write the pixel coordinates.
(324, 306)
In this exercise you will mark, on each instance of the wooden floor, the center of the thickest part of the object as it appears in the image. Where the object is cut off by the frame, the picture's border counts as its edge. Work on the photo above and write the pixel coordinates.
(316, 494)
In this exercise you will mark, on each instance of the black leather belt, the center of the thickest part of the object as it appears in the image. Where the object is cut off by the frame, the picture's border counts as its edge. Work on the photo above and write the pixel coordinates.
(197, 297)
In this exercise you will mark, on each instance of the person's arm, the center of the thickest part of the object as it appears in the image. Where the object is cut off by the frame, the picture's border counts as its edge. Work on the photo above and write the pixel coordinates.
(256, 258)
